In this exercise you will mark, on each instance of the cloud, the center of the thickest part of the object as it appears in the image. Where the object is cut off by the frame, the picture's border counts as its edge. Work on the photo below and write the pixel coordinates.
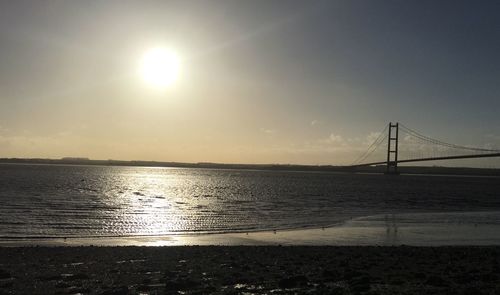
(268, 131)
(314, 122)
(334, 138)
(370, 138)
(333, 149)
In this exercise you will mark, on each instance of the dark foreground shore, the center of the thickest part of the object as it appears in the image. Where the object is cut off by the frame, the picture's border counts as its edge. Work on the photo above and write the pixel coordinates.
(250, 270)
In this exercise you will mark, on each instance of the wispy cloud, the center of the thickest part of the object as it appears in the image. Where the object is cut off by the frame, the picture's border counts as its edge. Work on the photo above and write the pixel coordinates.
(268, 131)
(371, 137)
(334, 139)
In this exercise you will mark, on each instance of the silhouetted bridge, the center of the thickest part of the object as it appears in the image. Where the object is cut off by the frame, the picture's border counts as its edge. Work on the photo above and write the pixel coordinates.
(416, 148)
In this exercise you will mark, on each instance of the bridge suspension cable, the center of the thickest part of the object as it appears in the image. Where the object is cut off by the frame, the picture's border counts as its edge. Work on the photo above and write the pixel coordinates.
(415, 146)
(373, 147)
(442, 143)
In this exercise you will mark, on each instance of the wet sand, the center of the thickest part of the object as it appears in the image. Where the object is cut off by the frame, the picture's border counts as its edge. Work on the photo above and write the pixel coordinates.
(429, 229)
(309, 261)
(250, 270)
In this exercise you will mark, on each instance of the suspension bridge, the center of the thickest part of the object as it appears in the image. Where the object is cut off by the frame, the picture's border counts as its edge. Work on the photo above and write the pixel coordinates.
(400, 144)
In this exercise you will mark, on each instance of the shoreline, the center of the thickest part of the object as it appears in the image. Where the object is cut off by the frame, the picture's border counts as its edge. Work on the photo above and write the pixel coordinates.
(321, 168)
(415, 229)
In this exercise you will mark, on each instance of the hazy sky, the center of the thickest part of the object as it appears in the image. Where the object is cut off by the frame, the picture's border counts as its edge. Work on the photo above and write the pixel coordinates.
(306, 82)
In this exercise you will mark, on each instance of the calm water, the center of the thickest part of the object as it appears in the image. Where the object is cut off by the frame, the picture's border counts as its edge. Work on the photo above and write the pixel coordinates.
(82, 201)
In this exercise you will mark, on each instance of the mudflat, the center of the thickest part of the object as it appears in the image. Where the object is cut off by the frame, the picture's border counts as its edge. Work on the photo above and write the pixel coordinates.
(250, 270)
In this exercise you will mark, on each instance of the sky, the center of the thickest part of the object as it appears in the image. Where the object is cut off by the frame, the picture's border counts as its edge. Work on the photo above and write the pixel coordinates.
(301, 82)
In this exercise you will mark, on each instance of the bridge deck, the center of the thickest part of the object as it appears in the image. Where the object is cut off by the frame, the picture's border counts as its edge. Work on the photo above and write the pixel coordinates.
(431, 159)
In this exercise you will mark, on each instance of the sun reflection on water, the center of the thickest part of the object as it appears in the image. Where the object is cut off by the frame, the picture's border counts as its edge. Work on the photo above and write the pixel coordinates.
(152, 205)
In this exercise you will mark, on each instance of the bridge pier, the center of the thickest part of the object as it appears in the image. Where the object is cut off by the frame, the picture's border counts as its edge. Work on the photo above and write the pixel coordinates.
(392, 150)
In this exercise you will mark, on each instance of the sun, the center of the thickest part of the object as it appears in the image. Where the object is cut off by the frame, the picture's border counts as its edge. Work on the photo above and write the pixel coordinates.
(160, 67)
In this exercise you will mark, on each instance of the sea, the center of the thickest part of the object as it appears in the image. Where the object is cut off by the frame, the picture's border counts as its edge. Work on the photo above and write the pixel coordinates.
(69, 201)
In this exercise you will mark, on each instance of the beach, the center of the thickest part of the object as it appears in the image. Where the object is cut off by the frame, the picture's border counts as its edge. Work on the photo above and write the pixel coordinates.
(250, 270)
(404, 254)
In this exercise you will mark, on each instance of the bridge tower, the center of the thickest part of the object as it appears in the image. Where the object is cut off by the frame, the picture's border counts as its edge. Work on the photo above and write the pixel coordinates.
(392, 149)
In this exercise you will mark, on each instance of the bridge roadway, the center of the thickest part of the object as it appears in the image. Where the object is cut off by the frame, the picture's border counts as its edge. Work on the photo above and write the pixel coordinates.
(431, 159)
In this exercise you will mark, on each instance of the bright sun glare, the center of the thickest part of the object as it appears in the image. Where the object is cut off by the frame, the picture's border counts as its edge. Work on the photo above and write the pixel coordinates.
(160, 67)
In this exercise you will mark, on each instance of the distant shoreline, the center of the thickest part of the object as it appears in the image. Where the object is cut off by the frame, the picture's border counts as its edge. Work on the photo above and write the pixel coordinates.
(438, 170)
